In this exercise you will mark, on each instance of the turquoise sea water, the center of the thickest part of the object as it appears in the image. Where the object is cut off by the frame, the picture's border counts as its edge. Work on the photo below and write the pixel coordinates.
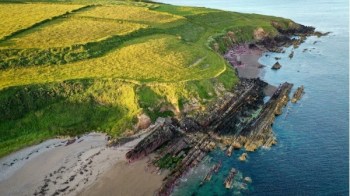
(312, 154)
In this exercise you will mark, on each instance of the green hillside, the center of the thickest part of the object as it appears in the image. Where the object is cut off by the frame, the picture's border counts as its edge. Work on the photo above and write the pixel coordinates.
(72, 67)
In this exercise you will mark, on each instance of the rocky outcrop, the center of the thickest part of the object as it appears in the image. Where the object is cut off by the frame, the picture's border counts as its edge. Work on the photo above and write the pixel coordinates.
(203, 145)
(298, 94)
(247, 180)
(163, 131)
(229, 121)
(260, 34)
(293, 29)
(243, 157)
(259, 132)
(230, 178)
(225, 117)
(285, 39)
(291, 55)
(276, 66)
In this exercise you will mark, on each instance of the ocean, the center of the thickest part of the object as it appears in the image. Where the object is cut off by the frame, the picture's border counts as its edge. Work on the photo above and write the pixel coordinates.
(312, 154)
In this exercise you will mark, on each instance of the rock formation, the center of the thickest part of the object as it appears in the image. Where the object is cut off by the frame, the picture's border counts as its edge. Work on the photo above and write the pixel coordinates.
(298, 94)
(276, 66)
(243, 157)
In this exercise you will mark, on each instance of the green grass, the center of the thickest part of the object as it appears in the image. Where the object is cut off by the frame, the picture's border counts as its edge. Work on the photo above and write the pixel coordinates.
(127, 58)
(15, 17)
(71, 31)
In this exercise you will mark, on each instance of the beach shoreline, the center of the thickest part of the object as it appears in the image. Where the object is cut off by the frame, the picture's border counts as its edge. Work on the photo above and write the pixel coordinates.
(72, 166)
(245, 60)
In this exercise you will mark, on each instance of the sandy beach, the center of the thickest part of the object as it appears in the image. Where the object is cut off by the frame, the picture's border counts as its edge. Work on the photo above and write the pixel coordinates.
(127, 179)
(85, 167)
(246, 62)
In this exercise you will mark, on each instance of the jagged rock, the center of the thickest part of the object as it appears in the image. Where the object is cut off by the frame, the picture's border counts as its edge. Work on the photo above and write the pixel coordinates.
(229, 151)
(189, 125)
(251, 147)
(243, 157)
(193, 157)
(212, 145)
(236, 145)
(163, 131)
(276, 66)
(225, 116)
(259, 132)
(298, 94)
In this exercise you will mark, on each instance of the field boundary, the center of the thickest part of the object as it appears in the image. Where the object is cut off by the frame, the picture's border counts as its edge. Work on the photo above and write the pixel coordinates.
(16, 33)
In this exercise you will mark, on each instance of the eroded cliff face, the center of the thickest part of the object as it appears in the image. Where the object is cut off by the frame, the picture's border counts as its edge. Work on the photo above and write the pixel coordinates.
(239, 119)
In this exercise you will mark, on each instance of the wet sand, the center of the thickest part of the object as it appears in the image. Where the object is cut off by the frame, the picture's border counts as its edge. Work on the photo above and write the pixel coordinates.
(55, 168)
(127, 179)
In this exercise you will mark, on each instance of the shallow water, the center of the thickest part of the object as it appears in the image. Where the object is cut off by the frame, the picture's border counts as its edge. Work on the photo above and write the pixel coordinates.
(312, 154)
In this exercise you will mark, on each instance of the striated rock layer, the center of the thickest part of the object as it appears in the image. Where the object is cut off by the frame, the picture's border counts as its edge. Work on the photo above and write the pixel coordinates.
(241, 119)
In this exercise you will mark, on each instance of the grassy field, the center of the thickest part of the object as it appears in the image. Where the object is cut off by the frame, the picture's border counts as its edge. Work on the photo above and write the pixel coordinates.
(131, 13)
(100, 66)
(71, 31)
(15, 17)
(160, 58)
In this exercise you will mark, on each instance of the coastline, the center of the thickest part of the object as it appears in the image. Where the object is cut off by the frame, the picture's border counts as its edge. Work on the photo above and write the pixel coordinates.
(249, 66)
(86, 166)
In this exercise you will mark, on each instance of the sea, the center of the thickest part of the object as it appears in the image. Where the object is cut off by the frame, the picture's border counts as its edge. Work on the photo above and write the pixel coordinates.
(312, 154)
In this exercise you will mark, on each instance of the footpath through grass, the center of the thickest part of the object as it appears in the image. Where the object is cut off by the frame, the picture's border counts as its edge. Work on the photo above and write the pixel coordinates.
(98, 65)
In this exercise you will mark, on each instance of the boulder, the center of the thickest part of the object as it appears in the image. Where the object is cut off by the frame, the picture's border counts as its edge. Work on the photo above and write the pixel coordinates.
(276, 66)
(243, 157)
(247, 180)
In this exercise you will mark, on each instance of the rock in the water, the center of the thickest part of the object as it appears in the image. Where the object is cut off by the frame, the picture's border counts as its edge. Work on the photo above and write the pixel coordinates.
(247, 180)
(276, 66)
(291, 55)
(243, 157)
(298, 94)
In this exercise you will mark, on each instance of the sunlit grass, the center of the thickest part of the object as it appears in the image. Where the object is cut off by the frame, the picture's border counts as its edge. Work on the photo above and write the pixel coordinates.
(14, 17)
(131, 13)
(151, 59)
(70, 31)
